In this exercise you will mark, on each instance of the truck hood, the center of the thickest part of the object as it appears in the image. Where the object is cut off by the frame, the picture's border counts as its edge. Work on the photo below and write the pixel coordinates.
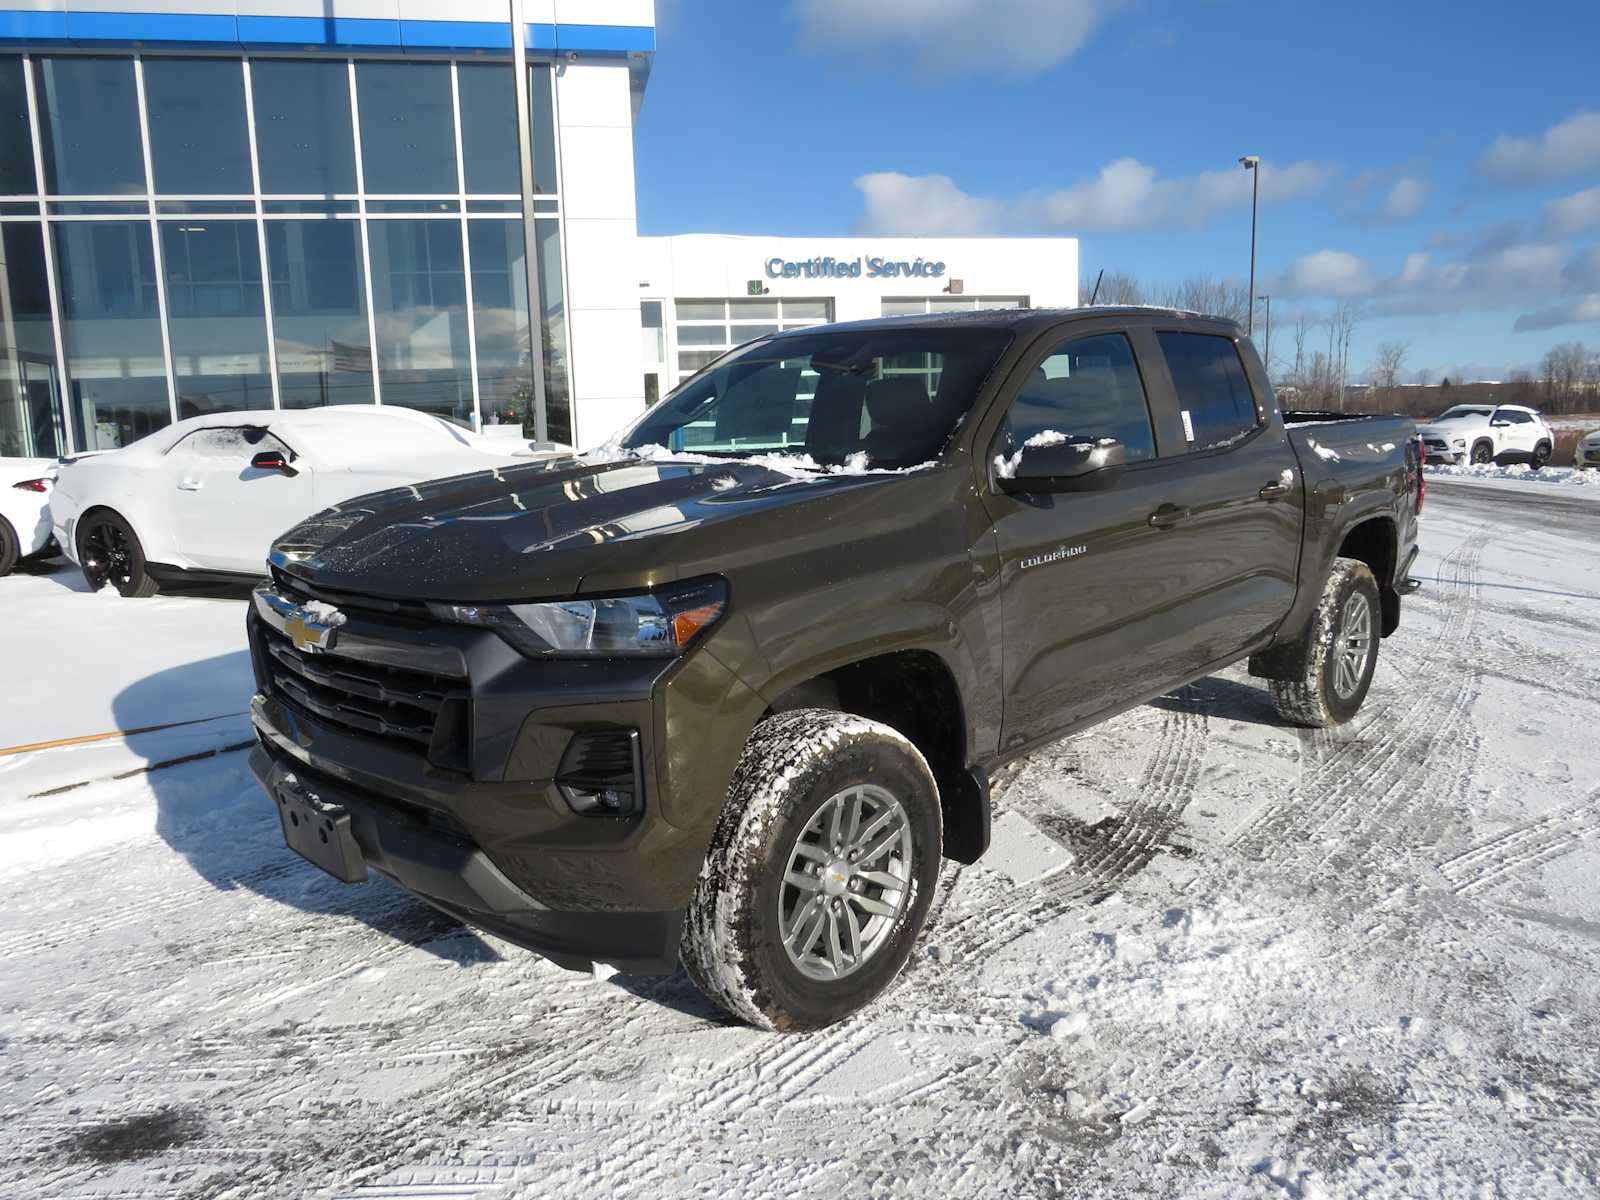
(544, 529)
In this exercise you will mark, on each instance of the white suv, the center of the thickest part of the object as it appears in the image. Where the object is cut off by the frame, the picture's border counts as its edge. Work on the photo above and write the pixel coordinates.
(1485, 433)
(1588, 452)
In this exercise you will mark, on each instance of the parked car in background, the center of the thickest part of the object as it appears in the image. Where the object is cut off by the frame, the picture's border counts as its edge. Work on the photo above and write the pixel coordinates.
(202, 499)
(1486, 433)
(737, 704)
(25, 510)
(1588, 452)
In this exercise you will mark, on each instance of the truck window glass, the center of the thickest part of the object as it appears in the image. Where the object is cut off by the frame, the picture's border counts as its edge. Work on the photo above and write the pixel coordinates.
(1212, 388)
(892, 395)
(1088, 388)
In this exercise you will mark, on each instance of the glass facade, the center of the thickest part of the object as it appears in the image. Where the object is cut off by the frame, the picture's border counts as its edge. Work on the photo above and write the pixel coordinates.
(183, 235)
(708, 329)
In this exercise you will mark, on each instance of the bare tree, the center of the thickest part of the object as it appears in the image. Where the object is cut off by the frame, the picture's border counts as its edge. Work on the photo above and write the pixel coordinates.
(1563, 369)
(1424, 377)
(1385, 372)
(1116, 287)
(1341, 328)
(1228, 298)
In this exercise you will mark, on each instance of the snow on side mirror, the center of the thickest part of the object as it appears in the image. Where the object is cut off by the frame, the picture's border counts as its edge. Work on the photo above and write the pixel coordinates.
(1064, 466)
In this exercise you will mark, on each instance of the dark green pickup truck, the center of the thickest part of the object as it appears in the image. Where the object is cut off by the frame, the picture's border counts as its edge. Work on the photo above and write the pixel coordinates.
(726, 691)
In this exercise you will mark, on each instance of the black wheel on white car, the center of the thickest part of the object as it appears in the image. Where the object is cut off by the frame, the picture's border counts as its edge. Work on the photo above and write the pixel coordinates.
(110, 552)
(820, 873)
(1342, 653)
(1541, 455)
(1482, 453)
(10, 548)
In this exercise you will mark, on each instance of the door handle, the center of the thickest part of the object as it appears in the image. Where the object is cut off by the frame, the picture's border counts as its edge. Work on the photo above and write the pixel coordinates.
(189, 485)
(1167, 516)
(1276, 490)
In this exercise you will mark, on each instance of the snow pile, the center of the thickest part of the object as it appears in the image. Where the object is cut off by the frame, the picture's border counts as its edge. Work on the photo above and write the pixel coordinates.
(1518, 471)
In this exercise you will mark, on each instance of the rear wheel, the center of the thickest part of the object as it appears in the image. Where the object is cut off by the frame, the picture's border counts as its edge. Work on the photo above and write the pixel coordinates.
(1342, 654)
(110, 552)
(1541, 456)
(10, 549)
(820, 873)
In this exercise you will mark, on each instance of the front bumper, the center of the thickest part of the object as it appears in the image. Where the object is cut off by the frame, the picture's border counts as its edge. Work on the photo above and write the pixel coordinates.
(473, 821)
(453, 874)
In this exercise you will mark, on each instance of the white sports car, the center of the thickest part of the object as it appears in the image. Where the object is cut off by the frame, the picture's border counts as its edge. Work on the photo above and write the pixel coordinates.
(202, 499)
(25, 510)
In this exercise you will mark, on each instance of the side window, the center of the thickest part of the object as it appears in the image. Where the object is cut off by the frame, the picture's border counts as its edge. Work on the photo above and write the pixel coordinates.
(1089, 388)
(1512, 415)
(230, 444)
(1213, 391)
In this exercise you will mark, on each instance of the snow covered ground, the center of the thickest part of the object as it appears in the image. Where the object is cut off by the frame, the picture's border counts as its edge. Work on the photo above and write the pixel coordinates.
(1212, 956)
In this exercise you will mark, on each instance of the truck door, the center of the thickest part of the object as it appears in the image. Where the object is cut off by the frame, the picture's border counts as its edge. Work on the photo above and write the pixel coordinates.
(1093, 599)
(1235, 551)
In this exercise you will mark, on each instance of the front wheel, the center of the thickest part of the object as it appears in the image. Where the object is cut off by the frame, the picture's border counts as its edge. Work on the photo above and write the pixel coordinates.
(109, 552)
(1482, 454)
(1342, 654)
(820, 873)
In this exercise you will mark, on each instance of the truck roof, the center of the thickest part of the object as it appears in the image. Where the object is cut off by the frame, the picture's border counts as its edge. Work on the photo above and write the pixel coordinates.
(1028, 319)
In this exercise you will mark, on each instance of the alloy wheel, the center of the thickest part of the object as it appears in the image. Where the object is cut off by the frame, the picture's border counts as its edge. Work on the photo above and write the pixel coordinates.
(846, 882)
(106, 557)
(1354, 645)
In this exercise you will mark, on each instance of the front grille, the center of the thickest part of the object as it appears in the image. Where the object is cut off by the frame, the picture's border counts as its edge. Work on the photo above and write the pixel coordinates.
(1436, 444)
(365, 698)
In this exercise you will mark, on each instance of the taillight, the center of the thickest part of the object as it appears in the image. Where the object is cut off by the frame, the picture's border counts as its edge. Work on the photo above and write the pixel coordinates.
(33, 485)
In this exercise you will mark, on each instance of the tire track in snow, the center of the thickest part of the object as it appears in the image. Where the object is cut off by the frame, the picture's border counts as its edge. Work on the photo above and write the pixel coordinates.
(1356, 782)
(1164, 790)
(1497, 861)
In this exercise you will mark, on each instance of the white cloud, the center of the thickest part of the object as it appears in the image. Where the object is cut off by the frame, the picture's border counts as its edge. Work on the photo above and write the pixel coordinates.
(1125, 194)
(921, 205)
(1581, 311)
(1574, 213)
(1403, 197)
(1017, 36)
(1571, 147)
(1486, 279)
(1333, 273)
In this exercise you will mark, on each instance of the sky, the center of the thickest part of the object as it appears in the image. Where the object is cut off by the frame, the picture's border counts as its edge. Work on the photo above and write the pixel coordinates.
(1437, 164)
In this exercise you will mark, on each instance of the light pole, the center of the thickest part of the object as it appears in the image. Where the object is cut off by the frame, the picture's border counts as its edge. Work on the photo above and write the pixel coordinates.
(1252, 163)
(1268, 299)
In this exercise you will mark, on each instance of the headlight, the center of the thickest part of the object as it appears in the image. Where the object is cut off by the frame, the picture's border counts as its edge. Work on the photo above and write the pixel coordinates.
(1460, 443)
(655, 624)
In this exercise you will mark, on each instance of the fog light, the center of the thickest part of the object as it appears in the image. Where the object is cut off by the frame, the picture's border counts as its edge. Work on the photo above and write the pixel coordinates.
(601, 775)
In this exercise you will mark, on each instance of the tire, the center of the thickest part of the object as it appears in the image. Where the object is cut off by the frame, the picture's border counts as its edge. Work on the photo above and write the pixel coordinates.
(1333, 686)
(110, 552)
(1541, 456)
(797, 771)
(1482, 454)
(10, 548)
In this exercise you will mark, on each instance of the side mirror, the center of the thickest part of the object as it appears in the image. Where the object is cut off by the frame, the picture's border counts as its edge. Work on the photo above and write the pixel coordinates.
(1080, 466)
(273, 460)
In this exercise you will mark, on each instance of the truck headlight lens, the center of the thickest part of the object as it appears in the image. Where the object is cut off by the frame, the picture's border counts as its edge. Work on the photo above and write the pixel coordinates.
(655, 624)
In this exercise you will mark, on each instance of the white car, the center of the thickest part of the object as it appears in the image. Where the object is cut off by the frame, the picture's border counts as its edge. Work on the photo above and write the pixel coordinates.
(202, 499)
(1588, 452)
(25, 510)
(1485, 433)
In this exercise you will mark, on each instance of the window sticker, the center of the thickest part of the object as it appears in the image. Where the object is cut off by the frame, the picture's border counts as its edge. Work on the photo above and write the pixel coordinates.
(1188, 426)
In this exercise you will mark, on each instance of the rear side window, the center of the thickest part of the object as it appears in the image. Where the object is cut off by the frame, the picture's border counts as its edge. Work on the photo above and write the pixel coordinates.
(1213, 392)
(1087, 389)
(1515, 417)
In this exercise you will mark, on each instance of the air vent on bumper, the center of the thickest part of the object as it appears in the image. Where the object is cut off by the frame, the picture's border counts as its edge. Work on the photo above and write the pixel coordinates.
(600, 774)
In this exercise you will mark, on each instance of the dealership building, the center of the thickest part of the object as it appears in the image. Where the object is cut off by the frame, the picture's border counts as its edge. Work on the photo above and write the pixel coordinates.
(268, 204)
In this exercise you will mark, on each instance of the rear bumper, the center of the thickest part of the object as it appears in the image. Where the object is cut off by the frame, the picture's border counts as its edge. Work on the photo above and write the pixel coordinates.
(452, 873)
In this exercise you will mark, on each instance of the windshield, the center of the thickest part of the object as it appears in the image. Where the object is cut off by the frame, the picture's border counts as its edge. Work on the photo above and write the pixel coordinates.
(1463, 410)
(893, 395)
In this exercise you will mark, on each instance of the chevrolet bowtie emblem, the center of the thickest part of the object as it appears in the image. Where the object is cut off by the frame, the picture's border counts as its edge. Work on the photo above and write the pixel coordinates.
(309, 635)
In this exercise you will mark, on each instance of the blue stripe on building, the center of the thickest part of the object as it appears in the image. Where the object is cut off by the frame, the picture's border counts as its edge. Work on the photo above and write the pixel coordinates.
(97, 29)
